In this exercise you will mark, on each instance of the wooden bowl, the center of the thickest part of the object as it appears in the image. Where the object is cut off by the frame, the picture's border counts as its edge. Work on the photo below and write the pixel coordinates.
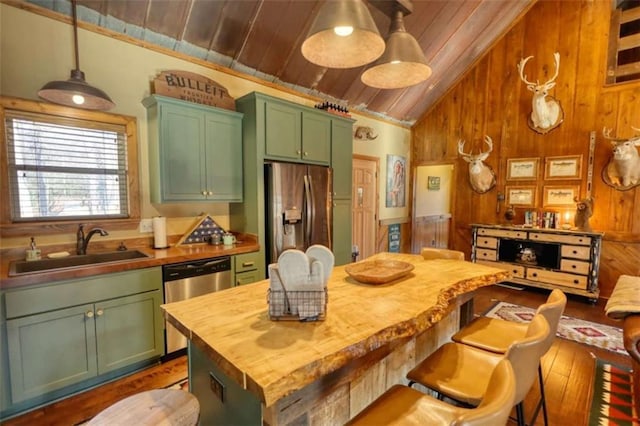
(378, 271)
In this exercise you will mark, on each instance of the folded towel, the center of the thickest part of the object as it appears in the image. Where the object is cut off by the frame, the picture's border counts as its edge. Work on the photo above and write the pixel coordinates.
(625, 298)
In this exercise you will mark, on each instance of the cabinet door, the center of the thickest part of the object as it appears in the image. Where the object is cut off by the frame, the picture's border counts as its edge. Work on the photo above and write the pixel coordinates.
(342, 231)
(316, 137)
(341, 158)
(224, 157)
(283, 138)
(182, 154)
(50, 351)
(128, 330)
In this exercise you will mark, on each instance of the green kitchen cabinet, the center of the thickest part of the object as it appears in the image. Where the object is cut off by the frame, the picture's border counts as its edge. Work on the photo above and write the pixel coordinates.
(246, 268)
(67, 335)
(341, 158)
(195, 152)
(292, 134)
(342, 231)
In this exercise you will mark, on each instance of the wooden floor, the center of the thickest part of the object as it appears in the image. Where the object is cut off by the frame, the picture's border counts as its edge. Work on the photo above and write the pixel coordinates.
(568, 370)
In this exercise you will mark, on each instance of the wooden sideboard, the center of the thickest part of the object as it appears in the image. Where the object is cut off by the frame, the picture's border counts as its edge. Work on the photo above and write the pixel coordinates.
(542, 257)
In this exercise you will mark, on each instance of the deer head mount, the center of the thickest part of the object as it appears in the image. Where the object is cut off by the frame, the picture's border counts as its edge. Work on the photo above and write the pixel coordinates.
(546, 112)
(623, 169)
(481, 177)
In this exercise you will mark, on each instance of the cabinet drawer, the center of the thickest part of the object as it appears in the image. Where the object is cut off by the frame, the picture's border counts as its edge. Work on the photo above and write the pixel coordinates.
(501, 233)
(484, 254)
(517, 271)
(575, 252)
(248, 278)
(560, 278)
(575, 266)
(246, 262)
(487, 242)
(556, 238)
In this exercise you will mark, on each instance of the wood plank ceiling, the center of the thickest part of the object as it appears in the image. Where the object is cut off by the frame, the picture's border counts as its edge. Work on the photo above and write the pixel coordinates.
(262, 38)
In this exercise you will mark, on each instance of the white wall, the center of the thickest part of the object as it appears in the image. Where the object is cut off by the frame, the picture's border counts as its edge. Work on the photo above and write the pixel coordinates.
(35, 49)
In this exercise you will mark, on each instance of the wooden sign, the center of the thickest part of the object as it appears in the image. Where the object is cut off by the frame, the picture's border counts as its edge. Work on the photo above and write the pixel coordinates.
(193, 87)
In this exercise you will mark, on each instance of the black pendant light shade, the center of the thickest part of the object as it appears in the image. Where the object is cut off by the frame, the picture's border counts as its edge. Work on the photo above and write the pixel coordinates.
(75, 91)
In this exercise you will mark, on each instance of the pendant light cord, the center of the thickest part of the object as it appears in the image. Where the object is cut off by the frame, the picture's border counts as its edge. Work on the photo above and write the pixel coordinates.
(75, 33)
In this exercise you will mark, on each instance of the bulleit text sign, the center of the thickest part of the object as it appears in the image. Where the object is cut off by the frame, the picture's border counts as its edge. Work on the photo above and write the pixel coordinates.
(193, 87)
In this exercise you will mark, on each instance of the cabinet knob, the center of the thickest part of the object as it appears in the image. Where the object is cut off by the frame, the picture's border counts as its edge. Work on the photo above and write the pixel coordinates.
(99, 312)
(204, 192)
(534, 274)
(306, 153)
(247, 264)
(573, 266)
(575, 252)
(298, 152)
(210, 193)
(575, 281)
(89, 314)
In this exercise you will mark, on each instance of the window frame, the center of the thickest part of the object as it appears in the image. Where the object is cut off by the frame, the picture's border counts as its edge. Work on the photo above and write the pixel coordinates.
(8, 228)
(616, 74)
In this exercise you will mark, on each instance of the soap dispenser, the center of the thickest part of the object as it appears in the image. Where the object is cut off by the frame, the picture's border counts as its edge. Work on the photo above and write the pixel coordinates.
(33, 253)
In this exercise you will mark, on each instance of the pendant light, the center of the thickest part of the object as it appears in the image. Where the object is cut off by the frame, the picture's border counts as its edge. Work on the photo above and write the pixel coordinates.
(75, 91)
(402, 64)
(343, 35)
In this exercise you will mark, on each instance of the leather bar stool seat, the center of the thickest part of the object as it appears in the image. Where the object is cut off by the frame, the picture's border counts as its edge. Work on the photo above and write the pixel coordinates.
(462, 372)
(401, 405)
(496, 335)
(166, 407)
(429, 253)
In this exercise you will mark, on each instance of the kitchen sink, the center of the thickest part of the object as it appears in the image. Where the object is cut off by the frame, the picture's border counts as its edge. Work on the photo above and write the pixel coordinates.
(21, 267)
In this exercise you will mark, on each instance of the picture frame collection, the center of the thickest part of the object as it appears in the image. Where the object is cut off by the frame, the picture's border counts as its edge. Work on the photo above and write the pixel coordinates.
(522, 187)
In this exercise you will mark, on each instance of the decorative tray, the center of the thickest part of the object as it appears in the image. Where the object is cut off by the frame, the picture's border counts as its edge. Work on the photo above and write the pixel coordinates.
(378, 271)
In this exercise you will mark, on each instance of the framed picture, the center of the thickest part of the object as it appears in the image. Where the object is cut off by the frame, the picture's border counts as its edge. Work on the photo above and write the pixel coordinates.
(564, 167)
(560, 196)
(395, 196)
(522, 168)
(521, 196)
(433, 183)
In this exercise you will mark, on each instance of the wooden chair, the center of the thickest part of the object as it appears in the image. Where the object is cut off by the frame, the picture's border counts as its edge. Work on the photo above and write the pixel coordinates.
(167, 407)
(462, 372)
(401, 405)
(496, 335)
(429, 253)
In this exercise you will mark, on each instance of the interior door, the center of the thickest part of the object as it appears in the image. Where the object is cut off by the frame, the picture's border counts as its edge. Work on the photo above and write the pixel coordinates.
(364, 205)
(432, 206)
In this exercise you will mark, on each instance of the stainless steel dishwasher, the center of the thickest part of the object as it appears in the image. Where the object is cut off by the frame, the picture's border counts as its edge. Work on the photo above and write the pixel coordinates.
(190, 279)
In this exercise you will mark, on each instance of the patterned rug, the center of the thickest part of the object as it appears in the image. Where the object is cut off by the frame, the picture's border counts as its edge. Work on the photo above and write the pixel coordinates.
(611, 404)
(590, 333)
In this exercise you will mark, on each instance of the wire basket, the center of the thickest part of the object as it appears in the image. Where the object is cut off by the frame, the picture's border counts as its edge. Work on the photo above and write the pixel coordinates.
(297, 305)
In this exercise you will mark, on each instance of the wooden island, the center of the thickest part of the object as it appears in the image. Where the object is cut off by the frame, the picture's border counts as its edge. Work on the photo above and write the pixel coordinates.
(246, 369)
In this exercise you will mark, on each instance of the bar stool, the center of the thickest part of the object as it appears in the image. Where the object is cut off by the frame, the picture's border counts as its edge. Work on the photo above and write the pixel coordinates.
(496, 335)
(401, 405)
(429, 253)
(462, 372)
(167, 407)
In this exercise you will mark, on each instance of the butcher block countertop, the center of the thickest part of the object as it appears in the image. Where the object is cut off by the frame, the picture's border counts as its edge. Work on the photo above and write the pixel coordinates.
(273, 359)
(174, 254)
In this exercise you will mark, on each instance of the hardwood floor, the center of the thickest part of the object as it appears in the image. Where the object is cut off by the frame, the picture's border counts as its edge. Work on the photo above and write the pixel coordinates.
(568, 370)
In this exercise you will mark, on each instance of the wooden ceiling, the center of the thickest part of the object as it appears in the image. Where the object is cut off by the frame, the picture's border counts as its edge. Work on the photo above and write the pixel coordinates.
(262, 38)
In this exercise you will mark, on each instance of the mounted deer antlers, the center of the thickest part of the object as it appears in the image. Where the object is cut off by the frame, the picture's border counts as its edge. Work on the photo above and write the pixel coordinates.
(546, 112)
(623, 169)
(481, 177)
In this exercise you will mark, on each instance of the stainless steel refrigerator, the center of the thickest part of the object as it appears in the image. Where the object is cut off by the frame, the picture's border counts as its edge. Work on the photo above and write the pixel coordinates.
(299, 210)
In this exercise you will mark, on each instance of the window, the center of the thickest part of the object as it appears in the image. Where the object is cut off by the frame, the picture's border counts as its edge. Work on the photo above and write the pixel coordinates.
(624, 42)
(66, 165)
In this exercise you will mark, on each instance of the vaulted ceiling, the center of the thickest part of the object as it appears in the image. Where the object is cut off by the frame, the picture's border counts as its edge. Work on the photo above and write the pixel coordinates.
(262, 38)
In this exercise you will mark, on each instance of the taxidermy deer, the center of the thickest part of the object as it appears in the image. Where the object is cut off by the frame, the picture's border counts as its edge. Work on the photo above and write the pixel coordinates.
(481, 177)
(546, 112)
(623, 169)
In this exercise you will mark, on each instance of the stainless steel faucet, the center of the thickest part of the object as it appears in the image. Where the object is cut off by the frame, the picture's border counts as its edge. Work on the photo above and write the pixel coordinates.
(83, 242)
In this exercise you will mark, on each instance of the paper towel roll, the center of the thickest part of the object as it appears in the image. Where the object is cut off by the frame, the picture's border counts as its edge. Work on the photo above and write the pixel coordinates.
(160, 232)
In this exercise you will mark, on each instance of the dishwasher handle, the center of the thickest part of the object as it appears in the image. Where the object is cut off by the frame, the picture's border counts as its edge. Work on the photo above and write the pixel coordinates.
(191, 269)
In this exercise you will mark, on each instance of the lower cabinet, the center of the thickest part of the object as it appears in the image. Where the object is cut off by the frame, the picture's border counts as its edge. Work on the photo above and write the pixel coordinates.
(110, 322)
(246, 269)
(342, 231)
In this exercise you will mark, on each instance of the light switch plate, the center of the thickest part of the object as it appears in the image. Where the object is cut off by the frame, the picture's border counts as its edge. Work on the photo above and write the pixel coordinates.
(146, 225)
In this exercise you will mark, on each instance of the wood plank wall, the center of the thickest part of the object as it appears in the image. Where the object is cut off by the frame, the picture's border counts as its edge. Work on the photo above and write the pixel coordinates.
(491, 99)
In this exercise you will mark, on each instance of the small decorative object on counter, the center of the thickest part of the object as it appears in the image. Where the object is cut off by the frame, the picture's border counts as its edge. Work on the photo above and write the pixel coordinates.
(298, 284)
(228, 239)
(202, 231)
(33, 253)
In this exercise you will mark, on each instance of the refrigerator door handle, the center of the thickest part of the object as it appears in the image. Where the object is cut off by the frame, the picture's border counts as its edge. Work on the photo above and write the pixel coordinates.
(310, 210)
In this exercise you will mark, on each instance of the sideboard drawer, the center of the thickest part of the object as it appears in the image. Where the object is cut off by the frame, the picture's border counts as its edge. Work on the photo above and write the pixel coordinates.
(556, 238)
(502, 233)
(484, 254)
(487, 242)
(575, 252)
(559, 278)
(575, 266)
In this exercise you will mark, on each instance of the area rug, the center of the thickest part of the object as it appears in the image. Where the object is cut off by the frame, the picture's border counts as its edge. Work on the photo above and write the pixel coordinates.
(590, 333)
(612, 400)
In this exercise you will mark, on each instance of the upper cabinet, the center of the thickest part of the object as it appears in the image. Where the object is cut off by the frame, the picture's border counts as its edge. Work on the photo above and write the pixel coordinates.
(292, 134)
(195, 152)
